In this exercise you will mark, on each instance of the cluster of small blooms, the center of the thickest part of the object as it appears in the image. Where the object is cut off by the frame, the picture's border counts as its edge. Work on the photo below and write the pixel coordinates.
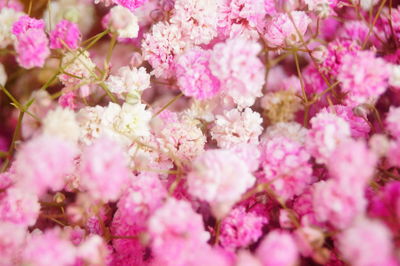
(200, 132)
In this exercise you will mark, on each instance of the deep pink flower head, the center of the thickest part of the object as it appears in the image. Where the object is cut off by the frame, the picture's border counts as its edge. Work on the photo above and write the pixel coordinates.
(144, 195)
(219, 177)
(130, 4)
(363, 77)
(337, 204)
(367, 242)
(336, 51)
(285, 164)
(104, 170)
(26, 23)
(43, 163)
(46, 248)
(358, 126)
(386, 205)
(194, 75)
(32, 48)
(241, 228)
(327, 131)
(278, 249)
(284, 29)
(32, 43)
(65, 33)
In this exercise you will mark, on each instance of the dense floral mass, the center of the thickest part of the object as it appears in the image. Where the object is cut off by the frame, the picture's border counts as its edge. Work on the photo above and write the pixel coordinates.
(199, 132)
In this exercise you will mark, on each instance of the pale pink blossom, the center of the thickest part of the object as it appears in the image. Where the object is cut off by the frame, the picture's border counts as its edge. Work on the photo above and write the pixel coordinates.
(197, 19)
(278, 249)
(160, 46)
(45, 248)
(194, 75)
(338, 205)
(327, 132)
(360, 243)
(19, 207)
(284, 29)
(104, 170)
(236, 64)
(285, 164)
(241, 18)
(236, 127)
(43, 163)
(352, 164)
(363, 76)
(220, 178)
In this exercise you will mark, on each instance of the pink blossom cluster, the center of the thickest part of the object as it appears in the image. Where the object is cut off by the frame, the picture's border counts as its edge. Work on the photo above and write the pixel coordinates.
(200, 132)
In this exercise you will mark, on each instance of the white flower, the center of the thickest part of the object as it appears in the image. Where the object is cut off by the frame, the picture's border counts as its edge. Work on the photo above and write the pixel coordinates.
(8, 17)
(3, 75)
(89, 119)
(62, 122)
(133, 120)
(236, 127)
(123, 22)
(129, 82)
(125, 123)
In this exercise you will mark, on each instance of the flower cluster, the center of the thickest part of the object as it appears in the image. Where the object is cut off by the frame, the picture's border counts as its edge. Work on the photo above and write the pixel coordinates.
(199, 132)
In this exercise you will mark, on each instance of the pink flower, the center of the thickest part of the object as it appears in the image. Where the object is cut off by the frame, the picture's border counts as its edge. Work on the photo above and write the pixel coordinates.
(130, 4)
(336, 51)
(197, 19)
(104, 170)
(360, 243)
(337, 204)
(26, 23)
(386, 205)
(352, 164)
(363, 77)
(285, 164)
(184, 139)
(65, 33)
(12, 238)
(194, 75)
(241, 228)
(358, 126)
(19, 207)
(278, 249)
(235, 127)
(160, 46)
(241, 18)
(284, 29)
(327, 132)
(236, 64)
(176, 220)
(46, 248)
(32, 48)
(43, 163)
(220, 178)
